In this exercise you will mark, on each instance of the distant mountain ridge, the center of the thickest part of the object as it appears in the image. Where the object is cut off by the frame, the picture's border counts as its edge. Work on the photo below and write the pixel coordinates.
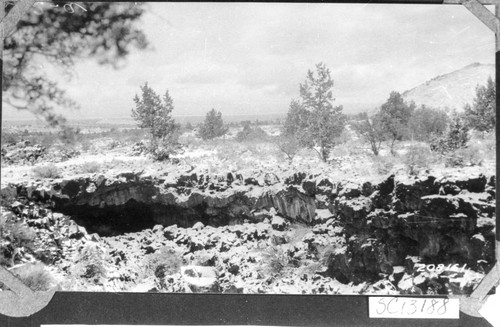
(453, 90)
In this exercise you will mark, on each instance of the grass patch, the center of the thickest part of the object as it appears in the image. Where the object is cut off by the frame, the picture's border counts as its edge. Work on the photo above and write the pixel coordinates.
(90, 167)
(46, 171)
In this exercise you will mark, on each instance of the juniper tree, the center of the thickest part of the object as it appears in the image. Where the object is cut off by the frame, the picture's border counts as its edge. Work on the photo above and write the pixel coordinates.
(153, 113)
(456, 137)
(325, 122)
(296, 125)
(395, 114)
(213, 126)
(481, 115)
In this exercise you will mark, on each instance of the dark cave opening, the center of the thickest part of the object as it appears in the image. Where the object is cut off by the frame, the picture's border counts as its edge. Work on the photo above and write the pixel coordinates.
(131, 217)
(134, 216)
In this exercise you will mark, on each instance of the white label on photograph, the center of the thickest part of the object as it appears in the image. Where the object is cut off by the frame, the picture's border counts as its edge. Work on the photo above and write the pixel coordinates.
(410, 307)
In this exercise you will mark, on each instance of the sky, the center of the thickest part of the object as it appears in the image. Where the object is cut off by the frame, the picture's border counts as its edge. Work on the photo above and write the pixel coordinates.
(250, 58)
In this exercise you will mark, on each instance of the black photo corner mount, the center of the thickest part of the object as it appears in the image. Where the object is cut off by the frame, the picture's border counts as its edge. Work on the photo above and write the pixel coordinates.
(270, 310)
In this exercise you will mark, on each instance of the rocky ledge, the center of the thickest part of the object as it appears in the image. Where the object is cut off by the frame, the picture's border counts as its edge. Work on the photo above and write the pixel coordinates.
(374, 231)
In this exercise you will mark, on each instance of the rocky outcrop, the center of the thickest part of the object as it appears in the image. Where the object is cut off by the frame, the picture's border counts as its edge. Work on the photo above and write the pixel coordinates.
(130, 200)
(439, 220)
(433, 220)
(22, 153)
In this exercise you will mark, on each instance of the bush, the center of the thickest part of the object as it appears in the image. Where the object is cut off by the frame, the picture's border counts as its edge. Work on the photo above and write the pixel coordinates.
(69, 135)
(481, 115)
(113, 144)
(35, 276)
(90, 167)
(213, 126)
(251, 133)
(289, 145)
(167, 261)
(276, 259)
(90, 263)
(383, 165)
(46, 171)
(417, 157)
(165, 151)
(10, 138)
(470, 156)
(456, 138)
(85, 145)
(22, 235)
(17, 233)
(426, 123)
(14, 236)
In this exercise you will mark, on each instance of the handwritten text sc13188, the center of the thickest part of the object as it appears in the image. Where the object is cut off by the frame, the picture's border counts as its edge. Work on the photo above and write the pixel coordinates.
(417, 308)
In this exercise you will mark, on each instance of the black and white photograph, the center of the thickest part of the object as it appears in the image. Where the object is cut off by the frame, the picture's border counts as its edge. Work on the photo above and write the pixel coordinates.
(248, 148)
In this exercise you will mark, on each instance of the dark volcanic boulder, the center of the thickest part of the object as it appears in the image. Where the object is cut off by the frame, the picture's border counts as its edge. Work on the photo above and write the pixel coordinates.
(408, 193)
(446, 211)
(353, 212)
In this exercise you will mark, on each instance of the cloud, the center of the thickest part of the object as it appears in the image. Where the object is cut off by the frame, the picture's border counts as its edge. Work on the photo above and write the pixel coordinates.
(251, 57)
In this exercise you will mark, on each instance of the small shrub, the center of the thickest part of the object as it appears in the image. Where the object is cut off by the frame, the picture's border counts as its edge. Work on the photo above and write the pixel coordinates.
(69, 135)
(167, 261)
(90, 263)
(190, 141)
(18, 234)
(86, 146)
(288, 145)
(326, 253)
(168, 146)
(46, 171)
(113, 144)
(213, 126)
(417, 157)
(35, 276)
(90, 167)
(14, 236)
(383, 165)
(164, 152)
(47, 139)
(22, 235)
(456, 138)
(276, 259)
(229, 151)
(251, 133)
(10, 138)
(469, 156)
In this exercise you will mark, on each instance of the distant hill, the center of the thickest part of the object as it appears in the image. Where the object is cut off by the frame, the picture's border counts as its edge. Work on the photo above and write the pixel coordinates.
(452, 90)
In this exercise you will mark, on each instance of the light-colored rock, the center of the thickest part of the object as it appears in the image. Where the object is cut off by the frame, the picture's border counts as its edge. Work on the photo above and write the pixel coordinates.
(201, 279)
(322, 215)
(198, 226)
(278, 223)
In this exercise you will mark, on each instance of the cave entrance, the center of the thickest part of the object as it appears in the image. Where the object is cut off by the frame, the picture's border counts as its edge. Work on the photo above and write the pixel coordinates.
(134, 216)
(131, 217)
